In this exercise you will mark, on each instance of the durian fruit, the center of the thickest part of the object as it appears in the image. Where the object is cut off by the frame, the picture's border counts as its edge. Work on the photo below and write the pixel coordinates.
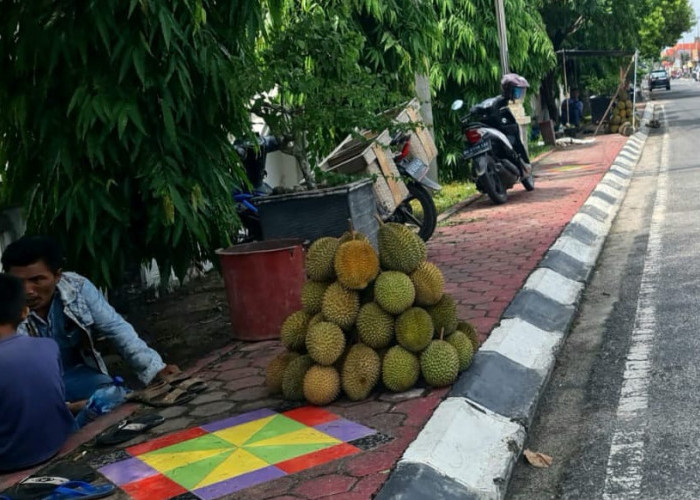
(340, 305)
(630, 105)
(275, 370)
(375, 326)
(367, 295)
(319, 259)
(356, 264)
(293, 331)
(394, 292)
(360, 372)
(429, 284)
(414, 329)
(400, 369)
(315, 319)
(616, 120)
(293, 378)
(439, 363)
(444, 315)
(325, 343)
(471, 332)
(321, 385)
(400, 249)
(465, 350)
(352, 235)
(312, 296)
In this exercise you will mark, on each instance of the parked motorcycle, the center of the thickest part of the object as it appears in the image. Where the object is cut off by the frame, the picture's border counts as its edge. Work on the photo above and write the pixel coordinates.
(418, 211)
(253, 158)
(492, 142)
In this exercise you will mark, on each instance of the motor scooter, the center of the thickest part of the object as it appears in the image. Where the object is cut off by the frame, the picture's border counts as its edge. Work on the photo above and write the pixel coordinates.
(418, 210)
(492, 142)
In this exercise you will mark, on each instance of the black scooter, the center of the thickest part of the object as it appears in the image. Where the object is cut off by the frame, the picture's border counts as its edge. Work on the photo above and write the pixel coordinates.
(418, 211)
(492, 142)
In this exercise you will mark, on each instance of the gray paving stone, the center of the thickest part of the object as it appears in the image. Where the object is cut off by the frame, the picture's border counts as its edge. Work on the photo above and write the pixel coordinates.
(412, 481)
(209, 397)
(208, 409)
(173, 411)
(501, 385)
(566, 265)
(174, 424)
(540, 311)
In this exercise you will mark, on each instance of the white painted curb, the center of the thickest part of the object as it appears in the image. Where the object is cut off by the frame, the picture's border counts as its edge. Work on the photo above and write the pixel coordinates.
(473, 447)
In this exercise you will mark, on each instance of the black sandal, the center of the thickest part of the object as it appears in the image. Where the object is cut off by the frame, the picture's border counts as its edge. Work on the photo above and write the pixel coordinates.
(129, 429)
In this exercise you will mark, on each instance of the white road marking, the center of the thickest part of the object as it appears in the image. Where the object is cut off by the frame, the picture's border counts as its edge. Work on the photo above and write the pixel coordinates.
(624, 470)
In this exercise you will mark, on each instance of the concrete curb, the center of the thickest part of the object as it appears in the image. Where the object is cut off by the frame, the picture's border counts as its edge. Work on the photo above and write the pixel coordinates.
(469, 446)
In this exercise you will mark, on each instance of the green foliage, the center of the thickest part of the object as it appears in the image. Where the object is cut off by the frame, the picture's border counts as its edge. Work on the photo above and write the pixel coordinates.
(319, 89)
(468, 66)
(115, 125)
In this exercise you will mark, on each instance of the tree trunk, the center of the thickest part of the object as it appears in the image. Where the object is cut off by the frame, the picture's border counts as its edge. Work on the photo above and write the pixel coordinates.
(299, 152)
(422, 83)
(548, 90)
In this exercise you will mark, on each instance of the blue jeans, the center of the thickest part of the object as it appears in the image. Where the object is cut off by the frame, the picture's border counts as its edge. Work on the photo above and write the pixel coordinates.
(81, 381)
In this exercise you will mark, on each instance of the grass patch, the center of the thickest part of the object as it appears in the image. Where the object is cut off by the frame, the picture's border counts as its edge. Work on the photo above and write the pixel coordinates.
(452, 193)
(535, 149)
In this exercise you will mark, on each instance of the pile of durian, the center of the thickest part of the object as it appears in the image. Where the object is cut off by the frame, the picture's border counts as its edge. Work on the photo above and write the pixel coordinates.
(370, 317)
(621, 120)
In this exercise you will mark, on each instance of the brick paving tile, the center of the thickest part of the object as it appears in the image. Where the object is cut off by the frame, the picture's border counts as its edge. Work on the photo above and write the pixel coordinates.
(368, 485)
(232, 364)
(250, 394)
(485, 253)
(244, 383)
(325, 485)
(238, 373)
(370, 462)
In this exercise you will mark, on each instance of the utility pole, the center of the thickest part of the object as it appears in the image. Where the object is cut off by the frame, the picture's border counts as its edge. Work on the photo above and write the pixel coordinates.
(502, 35)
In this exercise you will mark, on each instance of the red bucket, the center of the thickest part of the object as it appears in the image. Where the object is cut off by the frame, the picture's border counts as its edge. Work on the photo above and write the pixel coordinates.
(263, 285)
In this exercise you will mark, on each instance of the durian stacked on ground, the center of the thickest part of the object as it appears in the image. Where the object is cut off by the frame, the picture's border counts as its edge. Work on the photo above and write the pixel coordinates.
(370, 317)
(621, 120)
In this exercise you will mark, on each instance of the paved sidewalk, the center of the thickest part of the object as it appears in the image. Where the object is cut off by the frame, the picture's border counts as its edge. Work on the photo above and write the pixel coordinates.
(486, 253)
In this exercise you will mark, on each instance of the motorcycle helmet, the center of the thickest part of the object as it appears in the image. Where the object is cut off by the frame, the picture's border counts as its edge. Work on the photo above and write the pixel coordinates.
(514, 86)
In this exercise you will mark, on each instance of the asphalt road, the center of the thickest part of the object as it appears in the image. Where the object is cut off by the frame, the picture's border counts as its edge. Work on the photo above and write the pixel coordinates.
(621, 415)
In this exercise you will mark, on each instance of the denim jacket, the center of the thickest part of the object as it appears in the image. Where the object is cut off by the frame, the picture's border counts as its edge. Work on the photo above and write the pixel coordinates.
(85, 305)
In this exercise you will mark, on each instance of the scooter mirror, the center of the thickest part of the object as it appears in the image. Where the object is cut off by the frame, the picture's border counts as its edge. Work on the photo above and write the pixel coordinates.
(457, 105)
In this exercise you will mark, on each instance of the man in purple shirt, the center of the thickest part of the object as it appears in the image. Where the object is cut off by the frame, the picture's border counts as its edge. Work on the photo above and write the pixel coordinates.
(35, 421)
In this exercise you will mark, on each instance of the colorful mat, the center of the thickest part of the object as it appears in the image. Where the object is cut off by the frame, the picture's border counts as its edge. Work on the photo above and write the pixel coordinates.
(223, 457)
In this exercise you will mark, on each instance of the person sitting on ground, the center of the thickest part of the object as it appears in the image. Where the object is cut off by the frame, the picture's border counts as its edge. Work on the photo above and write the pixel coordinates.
(68, 308)
(35, 420)
(572, 110)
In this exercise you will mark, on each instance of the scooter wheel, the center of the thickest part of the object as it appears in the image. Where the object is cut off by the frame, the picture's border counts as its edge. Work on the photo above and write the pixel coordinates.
(529, 182)
(491, 184)
(418, 211)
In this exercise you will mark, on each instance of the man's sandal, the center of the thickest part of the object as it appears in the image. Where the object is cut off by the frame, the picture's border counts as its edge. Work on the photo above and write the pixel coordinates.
(80, 490)
(52, 476)
(128, 429)
(186, 382)
(162, 394)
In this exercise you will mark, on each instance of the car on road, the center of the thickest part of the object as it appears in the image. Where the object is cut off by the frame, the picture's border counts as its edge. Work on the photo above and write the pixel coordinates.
(658, 79)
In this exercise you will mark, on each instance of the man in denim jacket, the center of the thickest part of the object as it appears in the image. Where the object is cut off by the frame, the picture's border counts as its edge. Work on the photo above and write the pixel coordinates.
(70, 309)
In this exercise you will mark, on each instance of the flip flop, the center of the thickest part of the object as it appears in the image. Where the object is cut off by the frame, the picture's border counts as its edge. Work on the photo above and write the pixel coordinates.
(187, 382)
(80, 490)
(162, 397)
(128, 429)
(55, 475)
